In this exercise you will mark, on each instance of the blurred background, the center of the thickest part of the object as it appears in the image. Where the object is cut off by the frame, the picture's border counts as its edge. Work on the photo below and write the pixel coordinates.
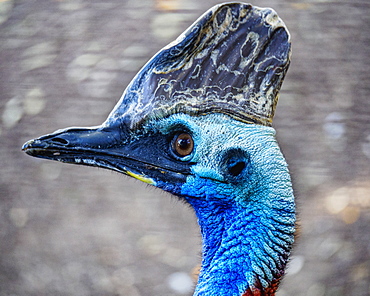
(70, 230)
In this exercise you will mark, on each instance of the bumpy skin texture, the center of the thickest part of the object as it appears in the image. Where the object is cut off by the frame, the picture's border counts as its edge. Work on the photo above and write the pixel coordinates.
(218, 83)
(247, 220)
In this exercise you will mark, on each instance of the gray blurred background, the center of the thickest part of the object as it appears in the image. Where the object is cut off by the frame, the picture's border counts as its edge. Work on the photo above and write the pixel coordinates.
(70, 230)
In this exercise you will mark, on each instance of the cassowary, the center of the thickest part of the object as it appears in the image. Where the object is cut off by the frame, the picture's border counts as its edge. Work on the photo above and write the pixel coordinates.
(196, 122)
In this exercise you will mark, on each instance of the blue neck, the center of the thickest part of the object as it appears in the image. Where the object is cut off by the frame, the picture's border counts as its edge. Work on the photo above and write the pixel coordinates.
(247, 218)
(245, 248)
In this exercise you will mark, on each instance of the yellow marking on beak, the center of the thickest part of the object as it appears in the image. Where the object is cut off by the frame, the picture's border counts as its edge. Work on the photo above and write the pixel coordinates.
(141, 178)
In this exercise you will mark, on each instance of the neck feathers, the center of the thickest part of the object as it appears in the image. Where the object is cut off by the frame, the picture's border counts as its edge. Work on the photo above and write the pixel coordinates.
(245, 255)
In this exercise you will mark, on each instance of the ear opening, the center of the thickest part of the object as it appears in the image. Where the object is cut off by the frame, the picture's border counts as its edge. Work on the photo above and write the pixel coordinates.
(235, 165)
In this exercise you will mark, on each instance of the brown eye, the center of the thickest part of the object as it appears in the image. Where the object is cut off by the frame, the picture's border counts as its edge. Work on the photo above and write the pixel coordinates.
(183, 144)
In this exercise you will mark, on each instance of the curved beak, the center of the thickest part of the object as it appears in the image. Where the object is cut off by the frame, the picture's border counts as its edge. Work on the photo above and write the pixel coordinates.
(112, 148)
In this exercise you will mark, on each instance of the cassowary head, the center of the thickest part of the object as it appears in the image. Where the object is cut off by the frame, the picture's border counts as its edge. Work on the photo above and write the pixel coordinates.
(196, 122)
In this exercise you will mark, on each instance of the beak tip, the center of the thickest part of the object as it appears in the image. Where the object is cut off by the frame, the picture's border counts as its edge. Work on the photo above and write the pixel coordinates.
(27, 145)
(32, 147)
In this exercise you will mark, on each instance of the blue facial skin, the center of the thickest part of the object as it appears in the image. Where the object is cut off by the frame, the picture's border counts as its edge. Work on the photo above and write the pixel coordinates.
(232, 60)
(241, 192)
(235, 178)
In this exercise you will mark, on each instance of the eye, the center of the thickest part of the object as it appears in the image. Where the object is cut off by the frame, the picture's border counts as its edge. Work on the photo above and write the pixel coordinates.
(182, 144)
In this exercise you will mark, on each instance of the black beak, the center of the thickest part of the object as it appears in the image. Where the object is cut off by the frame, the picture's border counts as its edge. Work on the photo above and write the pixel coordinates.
(75, 145)
(112, 148)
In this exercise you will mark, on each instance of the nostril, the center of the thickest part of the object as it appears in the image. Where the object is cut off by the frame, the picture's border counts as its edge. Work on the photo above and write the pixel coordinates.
(60, 141)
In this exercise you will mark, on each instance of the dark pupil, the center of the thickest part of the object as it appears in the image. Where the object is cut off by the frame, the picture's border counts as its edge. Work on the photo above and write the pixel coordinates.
(183, 144)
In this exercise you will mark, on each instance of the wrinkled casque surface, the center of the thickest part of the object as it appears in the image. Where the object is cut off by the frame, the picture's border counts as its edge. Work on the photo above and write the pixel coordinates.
(196, 122)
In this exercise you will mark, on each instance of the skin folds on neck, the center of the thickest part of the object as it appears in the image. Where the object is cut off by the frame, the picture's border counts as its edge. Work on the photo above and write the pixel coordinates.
(247, 226)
